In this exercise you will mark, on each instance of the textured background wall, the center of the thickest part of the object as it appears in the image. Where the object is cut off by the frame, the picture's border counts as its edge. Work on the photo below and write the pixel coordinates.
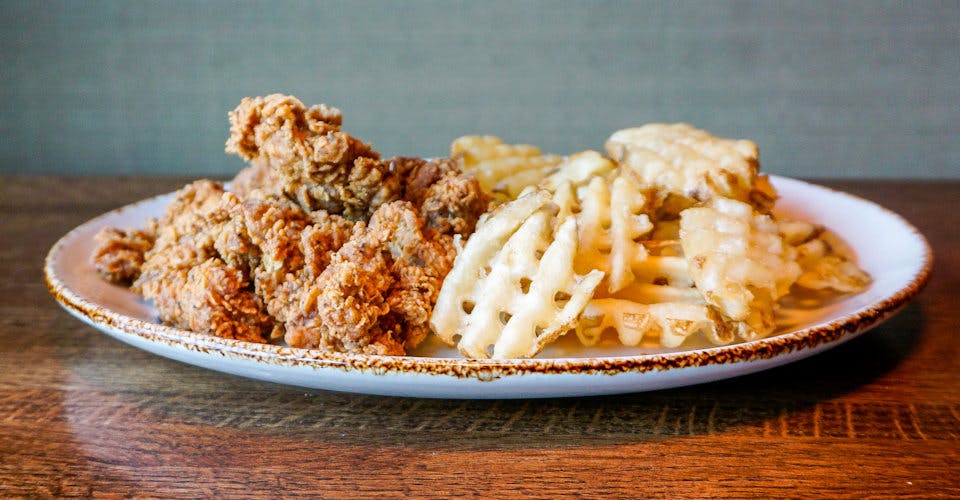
(863, 89)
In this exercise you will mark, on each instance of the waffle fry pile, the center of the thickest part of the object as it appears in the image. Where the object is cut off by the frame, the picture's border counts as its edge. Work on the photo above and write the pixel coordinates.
(668, 236)
(502, 169)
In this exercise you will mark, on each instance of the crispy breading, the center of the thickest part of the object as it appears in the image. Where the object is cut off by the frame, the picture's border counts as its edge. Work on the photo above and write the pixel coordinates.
(294, 248)
(195, 271)
(119, 253)
(271, 257)
(315, 162)
(218, 299)
(379, 289)
(301, 152)
(182, 236)
(450, 201)
(256, 180)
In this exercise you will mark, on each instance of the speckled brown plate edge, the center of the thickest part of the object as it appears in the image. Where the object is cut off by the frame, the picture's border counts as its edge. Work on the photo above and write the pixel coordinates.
(841, 328)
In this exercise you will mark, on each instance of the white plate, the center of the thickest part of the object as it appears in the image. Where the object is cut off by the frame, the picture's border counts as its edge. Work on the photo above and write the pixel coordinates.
(900, 267)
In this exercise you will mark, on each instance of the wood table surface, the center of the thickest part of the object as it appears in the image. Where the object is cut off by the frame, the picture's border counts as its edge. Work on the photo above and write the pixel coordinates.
(83, 414)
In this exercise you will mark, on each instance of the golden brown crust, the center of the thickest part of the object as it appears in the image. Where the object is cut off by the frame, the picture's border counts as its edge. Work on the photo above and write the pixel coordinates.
(218, 299)
(301, 153)
(119, 253)
(196, 271)
(379, 289)
(313, 242)
(450, 201)
(256, 180)
(315, 163)
(294, 248)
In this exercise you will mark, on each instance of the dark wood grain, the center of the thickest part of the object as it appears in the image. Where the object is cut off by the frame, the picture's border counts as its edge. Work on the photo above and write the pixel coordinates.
(82, 414)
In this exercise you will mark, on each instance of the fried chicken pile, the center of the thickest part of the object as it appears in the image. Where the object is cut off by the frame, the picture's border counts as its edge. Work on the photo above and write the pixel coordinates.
(318, 241)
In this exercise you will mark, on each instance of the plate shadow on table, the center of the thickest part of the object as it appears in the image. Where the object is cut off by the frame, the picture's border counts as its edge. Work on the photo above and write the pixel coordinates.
(794, 400)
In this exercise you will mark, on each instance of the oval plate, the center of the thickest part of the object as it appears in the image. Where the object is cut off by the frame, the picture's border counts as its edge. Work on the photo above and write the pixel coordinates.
(900, 268)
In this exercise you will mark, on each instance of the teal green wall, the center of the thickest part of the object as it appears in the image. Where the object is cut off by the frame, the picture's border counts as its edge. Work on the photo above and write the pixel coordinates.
(850, 89)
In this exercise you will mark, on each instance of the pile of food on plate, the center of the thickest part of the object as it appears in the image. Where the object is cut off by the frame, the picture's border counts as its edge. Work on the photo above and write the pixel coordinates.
(498, 249)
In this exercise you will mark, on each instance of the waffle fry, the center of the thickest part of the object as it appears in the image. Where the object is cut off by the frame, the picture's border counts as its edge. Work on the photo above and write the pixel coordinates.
(613, 229)
(822, 258)
(511, 293)
(671, 322)
(493, 230)
(578, 169)
(659, 301)
(685, 161)
(503, 169)
(612, 221)
(738, 261)
(649, 290)
(678, 228)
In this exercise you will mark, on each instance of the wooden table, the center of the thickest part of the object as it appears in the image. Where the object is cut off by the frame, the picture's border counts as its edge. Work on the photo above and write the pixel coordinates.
(82, 414)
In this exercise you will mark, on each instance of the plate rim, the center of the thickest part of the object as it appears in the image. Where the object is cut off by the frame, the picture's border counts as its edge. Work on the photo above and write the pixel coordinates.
(807, 339)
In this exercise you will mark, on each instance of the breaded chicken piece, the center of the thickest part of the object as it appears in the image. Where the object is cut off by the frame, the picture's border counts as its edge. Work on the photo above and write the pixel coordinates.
(301, 153)
(318, 239)
(258, 180)
(294, 248)
(449, 200)
(219, 299)
(195, 272)
(119, 253)
(236, 268)
(376, 295)
(315, 163)
(268, 254)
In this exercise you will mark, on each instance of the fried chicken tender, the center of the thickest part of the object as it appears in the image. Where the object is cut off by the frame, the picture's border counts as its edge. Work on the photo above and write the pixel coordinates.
(233, 268)
(315, 163)
(119, 253)
(318, 240)
(377, 294)
(256, 180)
(294, 248)
(219, 300)
(450, 201)
(194, 272)
(301, 153)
